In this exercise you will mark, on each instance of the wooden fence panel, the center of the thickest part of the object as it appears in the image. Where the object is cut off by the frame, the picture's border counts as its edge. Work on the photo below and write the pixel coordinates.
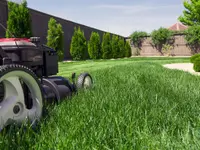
(180, 48)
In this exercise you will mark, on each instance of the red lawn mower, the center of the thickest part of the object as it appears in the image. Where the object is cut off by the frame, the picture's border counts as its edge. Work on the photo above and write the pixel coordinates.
(28, 80)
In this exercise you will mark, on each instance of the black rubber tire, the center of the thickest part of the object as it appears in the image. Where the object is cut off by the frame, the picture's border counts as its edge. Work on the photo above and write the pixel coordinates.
(16, 67)
(81, 79)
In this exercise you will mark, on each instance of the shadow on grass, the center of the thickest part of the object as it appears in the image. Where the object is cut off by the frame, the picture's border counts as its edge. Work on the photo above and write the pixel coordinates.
(23, 136)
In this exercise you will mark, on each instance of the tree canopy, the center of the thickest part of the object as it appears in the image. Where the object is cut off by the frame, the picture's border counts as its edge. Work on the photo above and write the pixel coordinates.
(191, 14)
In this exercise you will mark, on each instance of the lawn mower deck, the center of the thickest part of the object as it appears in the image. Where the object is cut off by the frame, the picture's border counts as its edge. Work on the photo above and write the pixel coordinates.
(28, 80)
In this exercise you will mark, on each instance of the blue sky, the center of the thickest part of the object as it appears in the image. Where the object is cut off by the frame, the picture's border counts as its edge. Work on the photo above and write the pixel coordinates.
(116, 16)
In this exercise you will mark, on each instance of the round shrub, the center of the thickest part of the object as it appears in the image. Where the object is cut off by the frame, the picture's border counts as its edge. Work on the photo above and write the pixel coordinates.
(194, 57)
(196, 66)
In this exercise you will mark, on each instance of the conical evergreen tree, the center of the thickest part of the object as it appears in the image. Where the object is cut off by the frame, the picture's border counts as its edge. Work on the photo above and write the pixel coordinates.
(94, 46)
(78, 46)
(55, 38)
(19, 21)
(106, 46)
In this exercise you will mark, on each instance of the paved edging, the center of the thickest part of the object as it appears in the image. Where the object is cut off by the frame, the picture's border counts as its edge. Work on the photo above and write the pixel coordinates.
(188, 67)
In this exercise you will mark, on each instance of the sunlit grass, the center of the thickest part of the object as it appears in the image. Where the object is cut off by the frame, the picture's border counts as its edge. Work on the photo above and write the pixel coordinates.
(135, 104)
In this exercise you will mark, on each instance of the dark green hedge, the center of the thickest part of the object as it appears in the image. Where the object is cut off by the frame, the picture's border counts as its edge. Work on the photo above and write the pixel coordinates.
(196, 66)
(194, 57)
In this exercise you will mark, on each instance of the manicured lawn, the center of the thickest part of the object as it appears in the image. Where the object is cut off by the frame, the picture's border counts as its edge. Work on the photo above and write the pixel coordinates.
(67, 68)
(135, 104)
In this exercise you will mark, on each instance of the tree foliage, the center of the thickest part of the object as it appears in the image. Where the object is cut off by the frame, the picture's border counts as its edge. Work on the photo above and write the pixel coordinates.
(192, 36)
(121, 45)
(191, 14)
(137, 38)
(127, 49)
(106, 46)
(19, 21)
(94, 46)
(115, 47)
(161, 36)
(78, 47)
(55, 37)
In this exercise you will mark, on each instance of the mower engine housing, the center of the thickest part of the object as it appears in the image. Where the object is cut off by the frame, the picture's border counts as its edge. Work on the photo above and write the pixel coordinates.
(42, 60)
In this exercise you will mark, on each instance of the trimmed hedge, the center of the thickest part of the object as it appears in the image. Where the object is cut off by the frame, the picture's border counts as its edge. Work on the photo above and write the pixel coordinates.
(194, 57)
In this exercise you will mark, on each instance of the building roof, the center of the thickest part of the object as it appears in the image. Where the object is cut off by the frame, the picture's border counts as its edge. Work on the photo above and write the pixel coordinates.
(178, 27)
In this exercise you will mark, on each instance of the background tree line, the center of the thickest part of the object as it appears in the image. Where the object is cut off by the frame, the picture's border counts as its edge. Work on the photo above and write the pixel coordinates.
(107, 48)
(19, 24)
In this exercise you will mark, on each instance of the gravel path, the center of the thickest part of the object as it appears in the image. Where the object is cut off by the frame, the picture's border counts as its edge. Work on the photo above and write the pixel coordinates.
(182, 66)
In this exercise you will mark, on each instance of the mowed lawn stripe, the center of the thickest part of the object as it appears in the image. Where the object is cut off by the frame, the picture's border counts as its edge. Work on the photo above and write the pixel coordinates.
(138, 105)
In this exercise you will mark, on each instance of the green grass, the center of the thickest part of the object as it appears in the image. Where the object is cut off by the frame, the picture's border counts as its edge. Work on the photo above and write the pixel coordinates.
(135, 104)
(66, 68)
